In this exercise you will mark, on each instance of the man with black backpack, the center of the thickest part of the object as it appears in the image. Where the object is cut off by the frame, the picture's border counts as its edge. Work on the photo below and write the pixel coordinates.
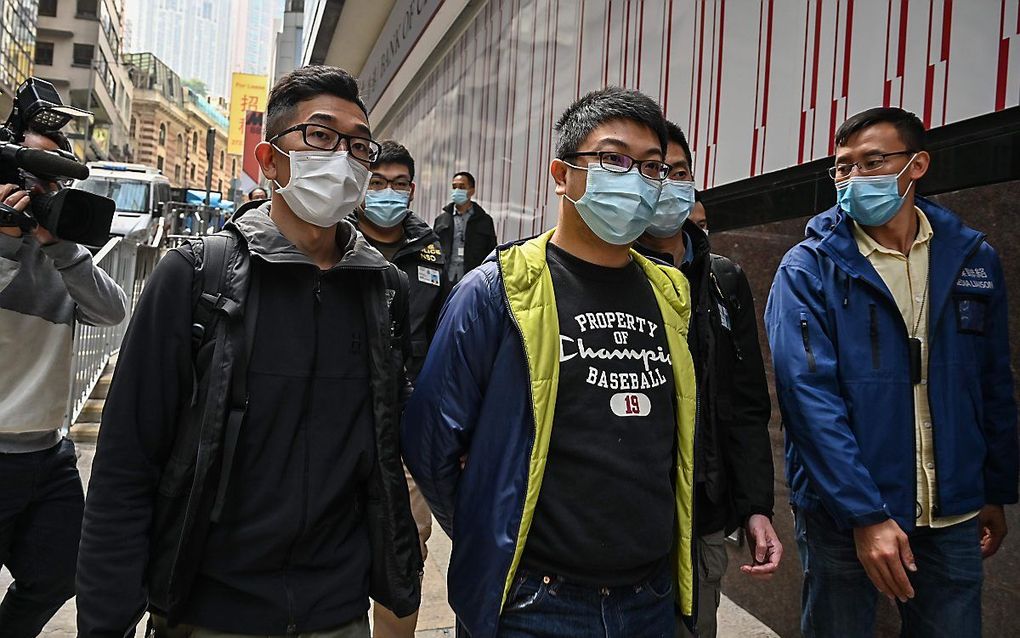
(733, 455)
(247, 478)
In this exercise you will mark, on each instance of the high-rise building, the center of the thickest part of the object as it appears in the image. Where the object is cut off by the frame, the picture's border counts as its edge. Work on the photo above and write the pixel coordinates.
(191, 36)
(78, 49)
(207, 39)
(17, 47)
(287, 53)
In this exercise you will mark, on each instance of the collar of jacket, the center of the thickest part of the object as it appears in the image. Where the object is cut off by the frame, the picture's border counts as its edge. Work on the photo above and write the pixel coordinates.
(418, 235)
(952, 243)
(265, 240)
(477, 210)
(531, 302)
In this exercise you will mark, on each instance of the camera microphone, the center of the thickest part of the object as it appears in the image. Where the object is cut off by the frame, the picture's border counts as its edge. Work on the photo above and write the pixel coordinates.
(42, 162)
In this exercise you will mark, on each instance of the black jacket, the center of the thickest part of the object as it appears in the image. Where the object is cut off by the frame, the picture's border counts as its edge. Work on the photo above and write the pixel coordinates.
(421, 258)
(479, 236)
(735, 475)
(149, 538)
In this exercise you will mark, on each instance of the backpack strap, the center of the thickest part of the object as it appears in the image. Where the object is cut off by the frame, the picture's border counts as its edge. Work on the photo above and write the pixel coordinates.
(208, 302)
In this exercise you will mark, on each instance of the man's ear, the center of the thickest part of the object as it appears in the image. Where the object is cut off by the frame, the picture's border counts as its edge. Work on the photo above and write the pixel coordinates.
(558, 170)
(410, 194)
(266, 158)
(919, 165)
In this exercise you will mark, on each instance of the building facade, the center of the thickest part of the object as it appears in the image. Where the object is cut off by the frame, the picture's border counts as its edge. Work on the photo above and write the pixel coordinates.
(17, 46)
(78, 49)
(759, 86)
(287, 52)
(169, 123)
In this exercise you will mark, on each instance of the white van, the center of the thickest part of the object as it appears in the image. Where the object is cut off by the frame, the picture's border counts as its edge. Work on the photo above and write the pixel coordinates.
(139, 191)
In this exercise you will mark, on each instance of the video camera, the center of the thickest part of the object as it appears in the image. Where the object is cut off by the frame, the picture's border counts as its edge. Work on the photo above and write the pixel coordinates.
(70, 214)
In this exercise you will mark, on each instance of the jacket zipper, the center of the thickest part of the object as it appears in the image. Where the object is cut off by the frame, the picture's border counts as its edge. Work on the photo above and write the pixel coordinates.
(531, 403)
(303, 429)
(804, 335)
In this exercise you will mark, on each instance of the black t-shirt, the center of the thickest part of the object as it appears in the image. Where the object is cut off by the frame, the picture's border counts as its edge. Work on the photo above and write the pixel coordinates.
(606, 509)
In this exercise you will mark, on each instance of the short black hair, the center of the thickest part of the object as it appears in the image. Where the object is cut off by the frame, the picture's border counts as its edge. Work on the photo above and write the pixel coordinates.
(466, 175)
(908, 125)
(304, 84)
(257, 188)
(392, 152)
(598, 107)
(676, 135)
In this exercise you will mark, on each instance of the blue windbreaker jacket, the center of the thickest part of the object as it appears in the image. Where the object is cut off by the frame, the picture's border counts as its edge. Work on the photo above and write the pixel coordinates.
(840, 351)
(488, 391)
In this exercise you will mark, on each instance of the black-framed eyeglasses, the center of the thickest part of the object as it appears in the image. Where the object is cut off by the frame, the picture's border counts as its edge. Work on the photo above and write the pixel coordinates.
(866, 166)
(378, 183)
(621, 163)
(324, 138)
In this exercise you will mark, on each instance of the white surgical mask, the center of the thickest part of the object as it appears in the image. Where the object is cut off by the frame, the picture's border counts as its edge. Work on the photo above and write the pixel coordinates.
(324, 186)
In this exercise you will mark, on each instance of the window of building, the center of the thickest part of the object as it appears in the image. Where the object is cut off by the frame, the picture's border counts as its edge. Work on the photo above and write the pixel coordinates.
(48, 8)
(44, 53)
(87, 9)
(219, 186)
(162, 134)
(83, 54)
(194, 141)
(192, 172)
(134, 126)
(159, 164)
(233, 167)
(180, 142)
(223, 160)
(177, 174)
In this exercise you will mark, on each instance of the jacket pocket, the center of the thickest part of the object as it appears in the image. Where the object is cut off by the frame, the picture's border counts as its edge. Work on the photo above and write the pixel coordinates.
(971, 313)
(873, 333)
(805, 336)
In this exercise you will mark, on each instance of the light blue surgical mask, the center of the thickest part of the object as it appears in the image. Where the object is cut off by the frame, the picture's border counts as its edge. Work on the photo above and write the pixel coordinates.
(459, 196)
(386, 208)
(873, 200)
(617, 207)
(675, 204)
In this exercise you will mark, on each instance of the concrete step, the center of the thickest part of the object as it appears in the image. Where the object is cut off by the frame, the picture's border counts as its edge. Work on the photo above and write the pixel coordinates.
(102, 388)
(84, 432)
(92, 412)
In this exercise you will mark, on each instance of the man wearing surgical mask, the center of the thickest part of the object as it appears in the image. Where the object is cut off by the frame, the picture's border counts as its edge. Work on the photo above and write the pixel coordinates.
(889, 334)
(405, 240)
(249, 482)
(465, 230)
(552, 425)
(734, 471)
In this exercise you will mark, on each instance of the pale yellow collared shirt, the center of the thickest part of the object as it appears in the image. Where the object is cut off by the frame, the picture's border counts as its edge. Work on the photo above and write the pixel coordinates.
(906, 277)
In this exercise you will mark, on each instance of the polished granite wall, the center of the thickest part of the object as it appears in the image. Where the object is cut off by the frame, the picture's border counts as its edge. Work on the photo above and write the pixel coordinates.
(758, 250)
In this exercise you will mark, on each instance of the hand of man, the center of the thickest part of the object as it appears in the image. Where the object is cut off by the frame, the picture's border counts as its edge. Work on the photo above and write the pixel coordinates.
(884, 550)
(766, 550)
(991, 529)
(16, 199)
(43, 236)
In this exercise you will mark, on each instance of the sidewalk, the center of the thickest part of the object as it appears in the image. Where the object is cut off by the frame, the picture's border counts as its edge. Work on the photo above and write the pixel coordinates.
(435, 619)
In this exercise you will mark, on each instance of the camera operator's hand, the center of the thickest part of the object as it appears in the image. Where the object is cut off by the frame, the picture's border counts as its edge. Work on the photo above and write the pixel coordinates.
(16, 199)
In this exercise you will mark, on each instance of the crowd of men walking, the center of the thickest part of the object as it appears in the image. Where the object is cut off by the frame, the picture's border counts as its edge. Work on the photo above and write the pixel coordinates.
(584, 412)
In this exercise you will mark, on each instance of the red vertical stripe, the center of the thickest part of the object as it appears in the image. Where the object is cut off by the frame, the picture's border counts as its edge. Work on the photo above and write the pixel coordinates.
(580, 47)
(608, 19)
(701, 69)
(626, 46)
(719, 73)
(666, 61)
(641, 42)
(901, 52)
(833, 98)
(947, 34)
(768, 80)
(803, 85)
(1000, 84)
(888, 37)
(847, 48)
(929, 72)
(814, 75)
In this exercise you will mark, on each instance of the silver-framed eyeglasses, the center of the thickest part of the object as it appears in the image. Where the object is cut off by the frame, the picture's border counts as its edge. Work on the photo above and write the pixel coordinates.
(867, 166)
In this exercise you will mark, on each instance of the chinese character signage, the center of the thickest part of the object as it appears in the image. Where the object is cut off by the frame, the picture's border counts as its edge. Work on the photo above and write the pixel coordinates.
(248, 93)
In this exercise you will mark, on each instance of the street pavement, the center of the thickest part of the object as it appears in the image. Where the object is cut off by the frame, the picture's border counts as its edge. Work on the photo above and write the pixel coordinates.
(436, 619)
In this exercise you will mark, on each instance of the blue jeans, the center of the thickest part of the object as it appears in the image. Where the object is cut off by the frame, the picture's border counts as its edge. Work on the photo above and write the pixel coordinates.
(41, 504)
(839, 599)
(541, 605)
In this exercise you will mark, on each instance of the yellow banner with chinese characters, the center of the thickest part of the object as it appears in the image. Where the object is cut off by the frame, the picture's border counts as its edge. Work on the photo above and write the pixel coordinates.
(248, 93)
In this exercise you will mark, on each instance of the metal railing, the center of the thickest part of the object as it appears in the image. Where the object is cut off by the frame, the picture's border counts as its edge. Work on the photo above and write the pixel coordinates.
(129, 264)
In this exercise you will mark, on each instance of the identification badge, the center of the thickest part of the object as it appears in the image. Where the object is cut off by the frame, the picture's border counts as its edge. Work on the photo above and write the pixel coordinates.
(428, 276)
(915, 360)
(460, 251)
(724, 316)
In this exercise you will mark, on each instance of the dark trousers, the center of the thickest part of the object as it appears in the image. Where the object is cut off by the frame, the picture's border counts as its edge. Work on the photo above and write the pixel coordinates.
(41, 504)
(547, 606)
(839, 598)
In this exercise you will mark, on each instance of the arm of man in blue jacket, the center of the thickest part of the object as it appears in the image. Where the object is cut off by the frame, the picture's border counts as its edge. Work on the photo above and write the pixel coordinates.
(815, 417)
(1000, 420)
(442, 413)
